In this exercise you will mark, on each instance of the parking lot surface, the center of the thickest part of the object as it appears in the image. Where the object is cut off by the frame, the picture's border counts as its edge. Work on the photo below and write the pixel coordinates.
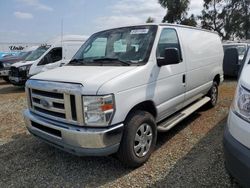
(190, 155)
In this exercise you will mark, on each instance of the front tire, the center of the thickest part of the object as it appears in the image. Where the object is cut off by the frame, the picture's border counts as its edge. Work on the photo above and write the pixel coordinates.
(138, 140)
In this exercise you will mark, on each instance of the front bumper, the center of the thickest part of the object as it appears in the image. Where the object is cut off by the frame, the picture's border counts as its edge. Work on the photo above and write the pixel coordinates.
(76, 140)
(4, 72)
(237, 159)
(17, 77)
(19, 81)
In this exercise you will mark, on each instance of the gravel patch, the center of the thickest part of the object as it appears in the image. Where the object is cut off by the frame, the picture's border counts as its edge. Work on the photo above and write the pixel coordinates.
(27, 162)
(203, 166)
(12, 104)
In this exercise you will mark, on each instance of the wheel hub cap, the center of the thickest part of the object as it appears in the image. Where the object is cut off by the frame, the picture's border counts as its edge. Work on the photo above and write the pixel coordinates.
(143, 140)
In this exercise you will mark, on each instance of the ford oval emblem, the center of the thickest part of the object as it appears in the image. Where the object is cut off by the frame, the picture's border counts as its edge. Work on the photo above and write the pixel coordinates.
(45, 103)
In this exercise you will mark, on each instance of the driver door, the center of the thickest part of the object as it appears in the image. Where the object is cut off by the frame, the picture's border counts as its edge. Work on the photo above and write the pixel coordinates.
(171, 78)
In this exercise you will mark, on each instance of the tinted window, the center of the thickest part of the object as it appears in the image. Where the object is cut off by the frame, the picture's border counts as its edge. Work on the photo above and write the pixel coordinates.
(168, 39)
(53, 56)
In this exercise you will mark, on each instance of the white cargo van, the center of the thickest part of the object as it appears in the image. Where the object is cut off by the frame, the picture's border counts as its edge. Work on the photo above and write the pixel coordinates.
(237, 132)
(122, 86)
(52, 54)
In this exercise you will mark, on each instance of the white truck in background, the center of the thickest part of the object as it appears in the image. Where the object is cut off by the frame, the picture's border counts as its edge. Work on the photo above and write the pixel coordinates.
(122, 86)
(54, 53)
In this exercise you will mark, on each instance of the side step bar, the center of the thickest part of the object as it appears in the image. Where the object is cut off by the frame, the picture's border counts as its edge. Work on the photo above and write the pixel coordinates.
(177, 118)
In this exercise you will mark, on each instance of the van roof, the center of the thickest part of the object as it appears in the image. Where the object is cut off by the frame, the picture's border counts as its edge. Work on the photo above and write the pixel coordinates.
(186, 26)
(65, 38)
(166, 24)
(246, 42)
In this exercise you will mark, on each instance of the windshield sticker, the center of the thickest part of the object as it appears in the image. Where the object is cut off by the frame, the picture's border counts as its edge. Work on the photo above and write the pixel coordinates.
(139, 31)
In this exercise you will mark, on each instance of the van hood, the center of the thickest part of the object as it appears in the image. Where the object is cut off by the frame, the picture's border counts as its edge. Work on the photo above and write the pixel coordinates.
(91, 77)
(22, 63)
(245, 77)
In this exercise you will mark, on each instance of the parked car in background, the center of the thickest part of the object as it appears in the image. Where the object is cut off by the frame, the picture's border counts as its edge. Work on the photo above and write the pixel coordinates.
(237, 132)
(8, 54)
(122, 86)
(53, 54)
(232, 68)
(6, 63)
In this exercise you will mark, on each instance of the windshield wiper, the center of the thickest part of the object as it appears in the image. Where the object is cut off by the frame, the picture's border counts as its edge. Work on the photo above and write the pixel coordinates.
(112, 59)
(76, 61)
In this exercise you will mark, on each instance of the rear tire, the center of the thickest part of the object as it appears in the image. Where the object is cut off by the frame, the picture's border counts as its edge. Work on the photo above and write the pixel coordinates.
(213, 94)
(139, 139)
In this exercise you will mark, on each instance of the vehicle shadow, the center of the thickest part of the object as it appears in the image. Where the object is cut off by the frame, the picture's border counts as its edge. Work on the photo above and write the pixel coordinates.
(164, 137)
(203, 166)
(3, 83)
(11, 89)
(230, 78)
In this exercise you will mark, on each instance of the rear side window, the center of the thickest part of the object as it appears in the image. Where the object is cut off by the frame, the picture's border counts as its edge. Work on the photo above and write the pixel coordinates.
(168, 39)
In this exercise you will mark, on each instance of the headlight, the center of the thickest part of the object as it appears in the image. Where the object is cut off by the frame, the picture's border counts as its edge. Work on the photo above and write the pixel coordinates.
(98, 110)
(242, 102)
(25, 68)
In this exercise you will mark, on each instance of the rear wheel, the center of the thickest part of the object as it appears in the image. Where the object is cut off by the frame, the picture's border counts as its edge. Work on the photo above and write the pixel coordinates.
(213, 94)
(138, 140)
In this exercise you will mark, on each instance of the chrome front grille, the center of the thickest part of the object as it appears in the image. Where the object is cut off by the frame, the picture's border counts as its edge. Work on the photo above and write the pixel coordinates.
(48, 103)
(55, 101)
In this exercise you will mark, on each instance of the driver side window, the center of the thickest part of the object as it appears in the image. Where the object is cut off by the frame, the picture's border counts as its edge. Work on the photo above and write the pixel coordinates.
(53, 56)
(168, 39)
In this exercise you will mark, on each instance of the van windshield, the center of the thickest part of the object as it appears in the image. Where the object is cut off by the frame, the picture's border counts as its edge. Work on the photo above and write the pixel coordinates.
(122, 46)
(37, 53)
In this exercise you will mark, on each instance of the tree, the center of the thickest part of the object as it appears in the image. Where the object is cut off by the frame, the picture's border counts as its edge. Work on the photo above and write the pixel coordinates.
(230, 18)
(233, 20)
(191, 21)
(244, 6)
(176, 10)
(150, 20)
(212, 16)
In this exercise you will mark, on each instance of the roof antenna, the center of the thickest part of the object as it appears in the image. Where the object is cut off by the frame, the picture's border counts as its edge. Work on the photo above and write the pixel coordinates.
(61, 31)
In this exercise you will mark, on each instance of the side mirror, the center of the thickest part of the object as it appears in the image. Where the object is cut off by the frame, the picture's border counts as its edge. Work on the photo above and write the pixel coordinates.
(231, 61)
(171, 56)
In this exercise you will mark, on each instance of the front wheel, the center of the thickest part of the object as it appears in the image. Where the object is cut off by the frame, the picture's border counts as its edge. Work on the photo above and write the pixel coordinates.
(138, 140)
(213, 94)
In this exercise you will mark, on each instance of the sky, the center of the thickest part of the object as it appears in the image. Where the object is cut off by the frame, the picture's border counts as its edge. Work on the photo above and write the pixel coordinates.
(41, 20)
